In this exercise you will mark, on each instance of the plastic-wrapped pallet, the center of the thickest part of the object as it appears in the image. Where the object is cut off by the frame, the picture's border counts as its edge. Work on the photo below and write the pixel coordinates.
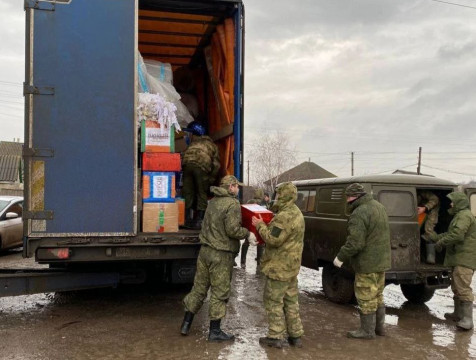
(160, 71)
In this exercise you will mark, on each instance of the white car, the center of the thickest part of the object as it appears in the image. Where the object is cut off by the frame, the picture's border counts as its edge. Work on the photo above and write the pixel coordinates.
(11, 223)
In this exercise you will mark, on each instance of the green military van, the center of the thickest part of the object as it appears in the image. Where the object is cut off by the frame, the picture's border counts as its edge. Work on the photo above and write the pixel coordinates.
(323, 204)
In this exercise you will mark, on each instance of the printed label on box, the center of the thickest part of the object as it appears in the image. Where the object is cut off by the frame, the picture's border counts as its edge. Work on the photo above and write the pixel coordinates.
(254, 207)
(160, 186)
(157, 137)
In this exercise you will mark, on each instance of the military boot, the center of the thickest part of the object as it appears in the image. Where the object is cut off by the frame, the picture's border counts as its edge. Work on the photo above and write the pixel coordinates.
(188, 218)
(276, 343)
(244, 251)
(295, 341)
(367, 327)
(380, 322)
(197, 225)
(466, 323)
(259, 253)
(187, 322)
(430, 252)
(216, 334)
(456, 314)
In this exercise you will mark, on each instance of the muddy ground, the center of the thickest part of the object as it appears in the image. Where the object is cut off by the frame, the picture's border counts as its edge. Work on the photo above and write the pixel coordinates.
(143, 323)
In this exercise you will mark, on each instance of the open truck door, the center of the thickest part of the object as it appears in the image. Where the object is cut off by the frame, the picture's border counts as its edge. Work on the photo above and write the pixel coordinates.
(80, 154)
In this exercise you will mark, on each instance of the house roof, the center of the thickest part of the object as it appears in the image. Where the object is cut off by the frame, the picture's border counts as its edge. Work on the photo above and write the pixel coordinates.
(10, 159)
(304, 171)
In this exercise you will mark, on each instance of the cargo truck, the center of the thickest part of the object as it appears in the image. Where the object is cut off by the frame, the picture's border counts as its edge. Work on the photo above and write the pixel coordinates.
(82, 209)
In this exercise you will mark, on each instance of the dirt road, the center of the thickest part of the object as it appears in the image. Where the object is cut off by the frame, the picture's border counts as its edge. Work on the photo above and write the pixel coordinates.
(143, 323)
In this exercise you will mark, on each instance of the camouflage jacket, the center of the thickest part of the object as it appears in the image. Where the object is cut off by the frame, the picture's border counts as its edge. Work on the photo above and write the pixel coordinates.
(367, 247)
(203, 153)
(258, 198)
(460, 239)
(428, 199)
(284, 238)
(221, 227)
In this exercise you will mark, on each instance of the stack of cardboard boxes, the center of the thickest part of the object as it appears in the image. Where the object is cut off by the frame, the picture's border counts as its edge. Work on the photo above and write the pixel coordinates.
(161, 211)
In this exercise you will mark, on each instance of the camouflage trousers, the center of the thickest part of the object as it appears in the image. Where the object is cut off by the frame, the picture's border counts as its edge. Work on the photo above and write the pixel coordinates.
(369, 291)
(195, 187)
(214, 271)
(282, 307)
(461, 278)
(430, 223)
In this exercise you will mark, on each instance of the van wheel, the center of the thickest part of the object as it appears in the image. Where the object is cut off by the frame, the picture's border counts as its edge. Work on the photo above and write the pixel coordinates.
(417, 294)
(337, 287)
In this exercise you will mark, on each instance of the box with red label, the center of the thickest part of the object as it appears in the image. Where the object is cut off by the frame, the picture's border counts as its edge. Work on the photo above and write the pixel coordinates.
(161, 162)
(250, 210)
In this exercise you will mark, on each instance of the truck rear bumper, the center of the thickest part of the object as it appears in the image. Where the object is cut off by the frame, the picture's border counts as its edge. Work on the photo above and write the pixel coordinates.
(114, 249)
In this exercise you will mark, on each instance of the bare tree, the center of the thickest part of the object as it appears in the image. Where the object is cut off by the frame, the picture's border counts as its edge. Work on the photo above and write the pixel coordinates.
(270, 157)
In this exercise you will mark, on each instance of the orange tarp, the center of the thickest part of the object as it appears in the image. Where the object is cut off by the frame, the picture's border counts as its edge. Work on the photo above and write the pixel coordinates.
(220, 58)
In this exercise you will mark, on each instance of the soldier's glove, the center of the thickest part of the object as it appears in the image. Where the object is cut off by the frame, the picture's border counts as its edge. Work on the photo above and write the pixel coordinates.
(252, 239)
(337, 262)
(439, 246)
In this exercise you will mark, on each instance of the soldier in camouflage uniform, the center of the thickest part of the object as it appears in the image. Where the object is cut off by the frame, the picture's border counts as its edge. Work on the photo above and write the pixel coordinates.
(460, 244)
(284, 238)
(367, 249)
(258, 198)
(429, 203)
(201, 164)
(220, 238)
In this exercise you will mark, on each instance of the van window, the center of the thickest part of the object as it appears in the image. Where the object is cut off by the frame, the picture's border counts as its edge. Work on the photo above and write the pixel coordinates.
(311, 203)
(397, 203)
(472, 200)
(302, 197)
(330, 201)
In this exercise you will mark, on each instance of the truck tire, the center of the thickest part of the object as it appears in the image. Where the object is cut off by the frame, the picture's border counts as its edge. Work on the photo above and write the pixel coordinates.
(417, 294)
(337, 287)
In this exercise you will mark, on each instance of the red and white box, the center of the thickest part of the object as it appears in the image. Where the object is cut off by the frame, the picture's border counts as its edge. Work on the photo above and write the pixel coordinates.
(250, 210)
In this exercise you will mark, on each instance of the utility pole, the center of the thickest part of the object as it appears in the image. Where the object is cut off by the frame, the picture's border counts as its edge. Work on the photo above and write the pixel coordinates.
(248, 173)
(418, 170)
(352, 163)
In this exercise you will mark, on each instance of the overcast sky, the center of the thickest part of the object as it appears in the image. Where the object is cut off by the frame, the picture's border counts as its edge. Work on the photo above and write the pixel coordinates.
(379, 78)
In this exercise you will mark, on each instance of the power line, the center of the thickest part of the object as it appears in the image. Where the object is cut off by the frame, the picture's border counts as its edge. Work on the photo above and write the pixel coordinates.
(450, 3)
(448, 171)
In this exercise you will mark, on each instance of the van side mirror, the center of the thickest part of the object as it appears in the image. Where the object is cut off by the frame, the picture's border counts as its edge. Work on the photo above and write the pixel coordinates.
(11, 215)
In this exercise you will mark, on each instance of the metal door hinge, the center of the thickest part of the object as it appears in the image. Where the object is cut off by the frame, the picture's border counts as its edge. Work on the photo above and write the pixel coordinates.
(39, 5)
(36, 152)
(47, 5)
(37, 90)
(38, 215)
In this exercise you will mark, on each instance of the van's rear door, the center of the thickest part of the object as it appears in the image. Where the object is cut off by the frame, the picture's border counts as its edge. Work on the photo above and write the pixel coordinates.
(80, 118)
(400, 203)
(471, 193)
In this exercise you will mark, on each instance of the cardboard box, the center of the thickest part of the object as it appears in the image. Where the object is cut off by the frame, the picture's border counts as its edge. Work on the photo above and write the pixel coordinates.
(161, 162)
(181, 210)
(250, 210)
(160, 217)
(180, 145)
(156, 139)
(158, 186)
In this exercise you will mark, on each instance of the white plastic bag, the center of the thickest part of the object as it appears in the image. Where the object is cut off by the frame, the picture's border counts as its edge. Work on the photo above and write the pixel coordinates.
(160, 71)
